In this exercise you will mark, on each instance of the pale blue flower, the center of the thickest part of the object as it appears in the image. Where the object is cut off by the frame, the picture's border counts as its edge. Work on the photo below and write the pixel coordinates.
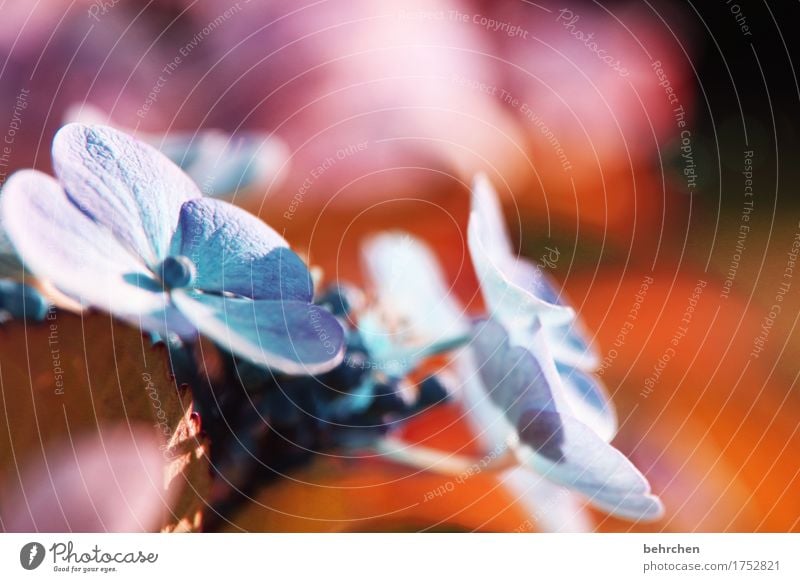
(125, 230)
(525, 375)
(414, 315)
(528, 380)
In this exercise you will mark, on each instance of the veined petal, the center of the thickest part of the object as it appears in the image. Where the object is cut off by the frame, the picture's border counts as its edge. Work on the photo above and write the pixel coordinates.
(290, 336)
(511, 286)
(235, 252)
(123, 184)
(56, 241)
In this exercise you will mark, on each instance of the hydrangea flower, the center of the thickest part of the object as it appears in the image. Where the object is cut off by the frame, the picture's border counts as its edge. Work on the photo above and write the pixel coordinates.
(525, 375)
(522, 297)
(558, 417)
(221, 164)
(125, 230)
(414, 315)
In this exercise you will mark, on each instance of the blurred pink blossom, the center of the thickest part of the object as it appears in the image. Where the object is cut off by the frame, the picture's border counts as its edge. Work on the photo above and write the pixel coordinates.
(108, 481)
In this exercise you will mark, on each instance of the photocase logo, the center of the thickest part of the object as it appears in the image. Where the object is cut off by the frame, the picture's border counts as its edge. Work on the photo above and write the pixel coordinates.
(31, 555)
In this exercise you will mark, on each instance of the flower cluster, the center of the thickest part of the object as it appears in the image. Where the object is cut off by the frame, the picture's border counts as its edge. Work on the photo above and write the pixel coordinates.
(123, 229)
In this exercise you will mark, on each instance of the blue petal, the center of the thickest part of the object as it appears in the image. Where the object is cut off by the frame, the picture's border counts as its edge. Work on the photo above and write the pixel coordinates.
(124, 185)
(511, 286)
(235, 252)
(492, 428)
(517, 378)
(568, 342)
(166, 322)
(599, 471)
(57, 242)
(290, 336)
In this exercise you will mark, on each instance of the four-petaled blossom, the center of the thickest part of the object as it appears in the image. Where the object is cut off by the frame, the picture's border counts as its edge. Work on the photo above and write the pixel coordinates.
(526, 380)
(529, 371)
(123, 229)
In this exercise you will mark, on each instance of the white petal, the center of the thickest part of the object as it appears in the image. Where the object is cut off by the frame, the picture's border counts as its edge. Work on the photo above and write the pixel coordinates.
(598, 470)
(510, 286)
(84, 260)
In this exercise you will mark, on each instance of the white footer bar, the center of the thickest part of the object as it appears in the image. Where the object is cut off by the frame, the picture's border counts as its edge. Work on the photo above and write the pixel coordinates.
(401, 557)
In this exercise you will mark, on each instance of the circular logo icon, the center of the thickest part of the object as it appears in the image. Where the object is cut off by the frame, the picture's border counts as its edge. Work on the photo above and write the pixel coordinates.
(31, 555)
